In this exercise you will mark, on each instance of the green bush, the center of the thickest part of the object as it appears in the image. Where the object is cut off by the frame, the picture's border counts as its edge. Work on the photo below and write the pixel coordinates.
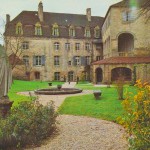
(28, 123)
(137, 117)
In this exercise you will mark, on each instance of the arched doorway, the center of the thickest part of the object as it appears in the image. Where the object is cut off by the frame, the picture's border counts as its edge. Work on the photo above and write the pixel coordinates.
(70, 76)
(125, 42)
(99, 75)
(119, 72)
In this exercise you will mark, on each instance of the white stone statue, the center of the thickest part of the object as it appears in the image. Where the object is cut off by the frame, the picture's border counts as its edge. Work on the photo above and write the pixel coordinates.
(5, 73)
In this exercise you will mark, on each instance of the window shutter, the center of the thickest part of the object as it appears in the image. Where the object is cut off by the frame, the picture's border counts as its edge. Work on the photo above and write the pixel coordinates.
(74, 62)
(83, 63)
(34, 61)
(43, 60)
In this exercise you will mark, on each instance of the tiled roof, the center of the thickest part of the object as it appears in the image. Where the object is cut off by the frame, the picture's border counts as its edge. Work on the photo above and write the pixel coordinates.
(123, 60)
(30, 18)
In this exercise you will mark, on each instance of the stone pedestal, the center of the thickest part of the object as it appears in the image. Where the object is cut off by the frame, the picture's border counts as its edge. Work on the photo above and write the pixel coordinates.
(5, 105)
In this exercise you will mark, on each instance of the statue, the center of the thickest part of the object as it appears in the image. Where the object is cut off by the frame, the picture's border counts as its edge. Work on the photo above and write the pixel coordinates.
(5, 82)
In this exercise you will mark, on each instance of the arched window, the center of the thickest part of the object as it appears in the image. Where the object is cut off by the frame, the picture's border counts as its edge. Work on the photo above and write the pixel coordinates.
(72, 31)
(97, 32)
(38, 29)
(19, 30)
(55, 30)
(87, 32)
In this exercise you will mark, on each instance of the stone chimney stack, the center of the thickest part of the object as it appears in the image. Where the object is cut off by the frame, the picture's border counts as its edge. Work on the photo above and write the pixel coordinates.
(88, 14)
(7, 18)
(40, 12)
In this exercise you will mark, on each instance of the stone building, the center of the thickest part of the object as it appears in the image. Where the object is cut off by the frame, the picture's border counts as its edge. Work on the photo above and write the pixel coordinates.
(54, 46)
(126, 44)
(57, 46)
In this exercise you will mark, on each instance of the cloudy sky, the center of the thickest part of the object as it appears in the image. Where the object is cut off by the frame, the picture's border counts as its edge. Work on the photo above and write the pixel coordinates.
(14, 7)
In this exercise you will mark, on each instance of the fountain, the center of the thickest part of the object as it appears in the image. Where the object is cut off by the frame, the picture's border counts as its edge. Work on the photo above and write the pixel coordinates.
(58, 91)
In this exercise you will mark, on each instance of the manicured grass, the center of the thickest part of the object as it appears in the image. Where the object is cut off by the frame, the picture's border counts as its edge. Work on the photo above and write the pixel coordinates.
(108, 107)
(20, 86)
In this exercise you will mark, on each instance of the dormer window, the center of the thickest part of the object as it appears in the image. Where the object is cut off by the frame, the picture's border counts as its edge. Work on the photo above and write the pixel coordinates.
(19, 30)
(72, 31)
(38, 29)
(87, 32)
(55, 30)
(97, 32)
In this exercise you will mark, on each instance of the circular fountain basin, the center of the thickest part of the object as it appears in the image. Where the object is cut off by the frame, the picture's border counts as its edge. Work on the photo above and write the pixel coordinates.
(56, 91)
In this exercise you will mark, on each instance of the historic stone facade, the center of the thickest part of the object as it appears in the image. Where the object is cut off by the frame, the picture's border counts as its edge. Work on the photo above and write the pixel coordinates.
(126, 44)
(54, 46)
(57, 46)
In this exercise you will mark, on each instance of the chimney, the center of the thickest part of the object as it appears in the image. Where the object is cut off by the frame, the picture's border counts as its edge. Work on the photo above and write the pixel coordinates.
(88, 14)
(40, 11)
(7, 18)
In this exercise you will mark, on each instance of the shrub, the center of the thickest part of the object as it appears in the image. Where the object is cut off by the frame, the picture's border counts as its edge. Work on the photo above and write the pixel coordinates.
(136, 119)
(28, 123)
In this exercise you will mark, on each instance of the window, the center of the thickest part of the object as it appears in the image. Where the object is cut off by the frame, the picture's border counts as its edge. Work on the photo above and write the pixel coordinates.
(19, 30)
(129, 15)
(67, 46)
(69, 63)
(87, 32)
(77, 46)
(56, 46)
(72, 31)
(38, 29)
(26, 60)
(97, 32)
(87, 46)
(55, 30)
(87, 60)
(98, 58)
(56, 60)
(25, 45)
(38, 60)
(77, 60)
(57, 76)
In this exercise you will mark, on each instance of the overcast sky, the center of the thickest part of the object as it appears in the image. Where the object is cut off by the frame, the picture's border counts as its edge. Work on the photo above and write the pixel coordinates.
(14, 7)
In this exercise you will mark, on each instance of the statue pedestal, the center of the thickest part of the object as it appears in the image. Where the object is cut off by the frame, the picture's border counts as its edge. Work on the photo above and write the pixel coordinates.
(5, 105)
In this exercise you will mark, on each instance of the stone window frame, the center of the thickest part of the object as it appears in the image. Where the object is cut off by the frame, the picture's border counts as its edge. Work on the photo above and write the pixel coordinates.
(25, 45)
(38, 60)
(97, 32)
(87, 32)
(77, 46)
(38, 29)
(67, 46)
(87, 60)
(128, 15)
(56, 46)
(56, 60)
(77, 61)
(19, 30)
(57, 76)
(26, 60)
(72, 31)
(87, 46)
(55, 30)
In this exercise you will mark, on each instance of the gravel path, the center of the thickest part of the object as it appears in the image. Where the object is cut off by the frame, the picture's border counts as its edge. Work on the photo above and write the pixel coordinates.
(82, 133)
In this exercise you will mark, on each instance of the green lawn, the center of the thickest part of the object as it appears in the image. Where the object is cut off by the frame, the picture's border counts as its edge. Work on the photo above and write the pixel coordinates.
(108, 107)
(20, 86)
